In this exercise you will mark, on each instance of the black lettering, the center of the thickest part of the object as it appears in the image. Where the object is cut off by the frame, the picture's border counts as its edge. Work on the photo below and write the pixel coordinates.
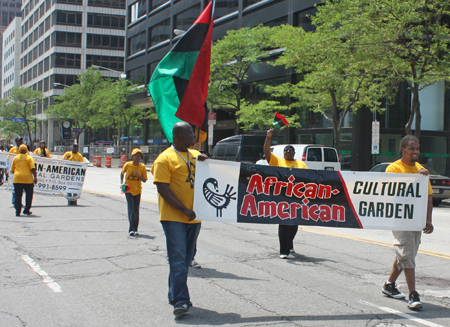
(391, 189)
(409, 211)
(357, 191)
(362, 208)
(389, 210)
(398, 210)
(401, 189)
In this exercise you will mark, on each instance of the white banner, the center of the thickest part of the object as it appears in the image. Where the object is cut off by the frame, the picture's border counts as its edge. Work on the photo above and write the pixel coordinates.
(240, 192)
(55, 177)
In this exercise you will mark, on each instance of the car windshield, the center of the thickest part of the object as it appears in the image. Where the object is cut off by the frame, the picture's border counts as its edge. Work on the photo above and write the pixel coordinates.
(432, 171)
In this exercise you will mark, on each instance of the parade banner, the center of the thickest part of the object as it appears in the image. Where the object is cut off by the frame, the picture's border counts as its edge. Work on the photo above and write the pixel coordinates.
(248, 193)
(55, 177)
(3, 159)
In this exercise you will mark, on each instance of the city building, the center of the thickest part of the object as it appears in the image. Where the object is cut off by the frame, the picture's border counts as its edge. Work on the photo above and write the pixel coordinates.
(150, 35)
(11, 57)
(60, 39)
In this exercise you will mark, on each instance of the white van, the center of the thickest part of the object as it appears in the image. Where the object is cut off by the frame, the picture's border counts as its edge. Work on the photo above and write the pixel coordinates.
(314, 156)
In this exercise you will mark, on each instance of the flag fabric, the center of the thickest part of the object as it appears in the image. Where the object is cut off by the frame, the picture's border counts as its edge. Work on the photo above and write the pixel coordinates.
(179, 84)
(279, 121)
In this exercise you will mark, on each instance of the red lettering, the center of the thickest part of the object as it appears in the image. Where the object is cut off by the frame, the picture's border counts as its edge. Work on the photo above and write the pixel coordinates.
(281, 207)
(305, 212)
(338, 212)
(297, 188)
(248, 204)
(311, 190)
(290, 186)
(266, 209)
(325, 213)
(294, 207)
(255, 183)
(278, 187)
(324, 191)
(312, 212)
(268, 183)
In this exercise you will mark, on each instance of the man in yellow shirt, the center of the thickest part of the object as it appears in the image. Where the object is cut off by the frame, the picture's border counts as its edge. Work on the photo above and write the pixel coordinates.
(42, 151)
(15, 150)
(174, 175)
(136, 174)
(24, 170)
(286, 233)
(73, 155)
(407, 242)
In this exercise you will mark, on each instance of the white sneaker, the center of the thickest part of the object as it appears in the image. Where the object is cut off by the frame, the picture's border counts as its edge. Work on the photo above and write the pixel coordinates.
(283, 256)
(132, 233)
(194, 264)
(292, 250)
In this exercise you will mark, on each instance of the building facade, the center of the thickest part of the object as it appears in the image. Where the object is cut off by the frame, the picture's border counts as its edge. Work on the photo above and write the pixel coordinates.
(61, 39)
(150, 35)
(11, 57)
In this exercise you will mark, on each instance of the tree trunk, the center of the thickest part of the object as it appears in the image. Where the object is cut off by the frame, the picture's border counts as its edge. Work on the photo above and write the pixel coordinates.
(118, 133)
(336, 127)
(414, 112)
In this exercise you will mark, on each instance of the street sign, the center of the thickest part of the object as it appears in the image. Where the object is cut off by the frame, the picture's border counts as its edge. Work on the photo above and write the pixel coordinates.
(76, 130)
(109, 150)
(145, 149)
(17, 120)
(210, 134)
(212, 118)
(1, 118)
(375, 137)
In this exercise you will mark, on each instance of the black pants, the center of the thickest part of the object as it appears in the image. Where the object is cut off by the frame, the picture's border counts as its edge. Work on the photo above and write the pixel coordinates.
(133, 201)
(18, 189)
(286, 235)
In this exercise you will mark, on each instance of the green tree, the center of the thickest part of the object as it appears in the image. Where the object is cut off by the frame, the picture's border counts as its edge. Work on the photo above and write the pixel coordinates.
(20, 104)
(410, 37)
(334, 78)
(231, 59)
(115, 110)
(77, 102)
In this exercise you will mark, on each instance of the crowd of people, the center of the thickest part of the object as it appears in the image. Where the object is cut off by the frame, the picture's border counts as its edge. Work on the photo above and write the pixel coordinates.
(174, 176)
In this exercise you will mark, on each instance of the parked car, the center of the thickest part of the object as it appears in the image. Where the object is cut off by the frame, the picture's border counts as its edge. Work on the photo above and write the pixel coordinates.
(243, 148)
(439, 183)
(313, 155)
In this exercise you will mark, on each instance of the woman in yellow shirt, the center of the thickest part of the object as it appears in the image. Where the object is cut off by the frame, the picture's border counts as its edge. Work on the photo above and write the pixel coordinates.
(135, 173)
(42, 151)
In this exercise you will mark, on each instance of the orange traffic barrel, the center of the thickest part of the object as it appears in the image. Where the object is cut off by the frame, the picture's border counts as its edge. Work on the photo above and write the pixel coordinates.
(123, 160)
(96, 161)
(108, 162)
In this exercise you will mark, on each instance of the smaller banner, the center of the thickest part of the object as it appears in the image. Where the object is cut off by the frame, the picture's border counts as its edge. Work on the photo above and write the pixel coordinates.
(249, 193)
(55, 177)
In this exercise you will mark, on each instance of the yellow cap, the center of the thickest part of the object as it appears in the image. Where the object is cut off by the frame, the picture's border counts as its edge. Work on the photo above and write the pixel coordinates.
(23, 147)
(136, 151)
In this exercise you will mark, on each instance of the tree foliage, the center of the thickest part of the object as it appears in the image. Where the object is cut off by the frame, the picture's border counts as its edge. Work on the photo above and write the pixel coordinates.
(20, 104)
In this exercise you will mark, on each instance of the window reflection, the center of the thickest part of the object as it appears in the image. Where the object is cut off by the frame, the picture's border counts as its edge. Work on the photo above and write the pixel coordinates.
(160, 32)
(137, 43)
(185, 19)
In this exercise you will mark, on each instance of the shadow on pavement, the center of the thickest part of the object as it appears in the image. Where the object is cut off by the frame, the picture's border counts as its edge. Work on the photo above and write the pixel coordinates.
(213, 273)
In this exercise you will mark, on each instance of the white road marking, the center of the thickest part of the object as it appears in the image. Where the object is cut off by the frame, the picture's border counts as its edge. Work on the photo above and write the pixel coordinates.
(403, 315)
(45, 277)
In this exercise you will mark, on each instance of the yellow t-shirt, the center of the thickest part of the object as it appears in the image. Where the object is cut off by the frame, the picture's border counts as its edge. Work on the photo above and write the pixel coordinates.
(21, 167)
(69, 155)
(170, 168)
(401, 168)
(38, 151)
(131, 179)
(277, 161)
(15, 150)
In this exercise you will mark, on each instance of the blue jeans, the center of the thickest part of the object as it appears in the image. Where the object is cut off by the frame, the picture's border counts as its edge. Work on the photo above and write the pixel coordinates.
(181, 241)
(133, 203)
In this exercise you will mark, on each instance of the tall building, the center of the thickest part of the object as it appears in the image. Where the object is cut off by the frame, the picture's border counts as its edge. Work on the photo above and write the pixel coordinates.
(11, 57)
(60, 39)
(150, 35)
(9, 9)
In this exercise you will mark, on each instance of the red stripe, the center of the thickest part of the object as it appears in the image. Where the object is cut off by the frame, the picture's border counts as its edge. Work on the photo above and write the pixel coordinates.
(281, 118)
(349, 201)
(206, 16)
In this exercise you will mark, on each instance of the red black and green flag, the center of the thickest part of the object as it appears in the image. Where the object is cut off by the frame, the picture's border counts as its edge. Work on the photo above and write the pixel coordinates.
(279, 121)
(179, 84)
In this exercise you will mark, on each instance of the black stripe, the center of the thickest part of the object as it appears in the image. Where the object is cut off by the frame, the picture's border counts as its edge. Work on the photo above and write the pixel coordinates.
(193, 39)
(279, 121)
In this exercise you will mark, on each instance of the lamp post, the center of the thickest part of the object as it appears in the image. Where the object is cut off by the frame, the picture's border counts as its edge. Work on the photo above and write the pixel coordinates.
(122, 74)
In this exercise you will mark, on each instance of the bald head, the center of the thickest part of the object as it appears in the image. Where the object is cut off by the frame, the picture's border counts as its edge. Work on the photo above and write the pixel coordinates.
(183, 135)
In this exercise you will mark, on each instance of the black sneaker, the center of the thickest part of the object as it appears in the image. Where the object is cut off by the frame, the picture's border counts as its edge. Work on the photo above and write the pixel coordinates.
(414, 301)
(180, 309)
(392, 291)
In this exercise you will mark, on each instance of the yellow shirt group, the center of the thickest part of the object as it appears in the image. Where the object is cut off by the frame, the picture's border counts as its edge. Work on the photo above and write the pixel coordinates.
(21, 167)
(170, 168)
(15, 150)
(39, 151)
(400, 167)
(69, 155)
(131, 179)
(277, 161)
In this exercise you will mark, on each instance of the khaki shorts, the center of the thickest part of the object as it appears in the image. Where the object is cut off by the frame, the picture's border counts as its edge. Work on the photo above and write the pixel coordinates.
(406, 245)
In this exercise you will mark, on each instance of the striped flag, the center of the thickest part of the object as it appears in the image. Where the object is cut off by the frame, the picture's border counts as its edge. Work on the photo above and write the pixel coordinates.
(279, 121)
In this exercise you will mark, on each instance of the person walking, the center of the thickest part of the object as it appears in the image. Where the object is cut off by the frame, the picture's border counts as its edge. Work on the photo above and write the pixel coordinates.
(174, 175)
(286, 233)
(42, 151)
(73, 155)
(135, 174)
(25, 177)
(407, 242)
(15, 150)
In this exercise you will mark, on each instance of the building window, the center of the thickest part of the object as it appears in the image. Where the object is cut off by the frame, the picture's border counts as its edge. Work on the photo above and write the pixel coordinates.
(156, 3)
(105, 41)
(120, 4)
(277, 22)
(111, 62)
(64, 79)
(301, 19)
(47, 23)
(138, 10)
(66, 60)
(225, 7)
(160, 32)
(67, 39)
(137, 75)
(136, 43)
(185, 19)
(46, 64)
(67, 18)
(248, 3)
(71, 2)
(106, 21)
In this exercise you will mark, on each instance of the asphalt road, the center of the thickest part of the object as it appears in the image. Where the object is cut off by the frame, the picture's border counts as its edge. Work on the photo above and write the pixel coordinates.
(76, 266)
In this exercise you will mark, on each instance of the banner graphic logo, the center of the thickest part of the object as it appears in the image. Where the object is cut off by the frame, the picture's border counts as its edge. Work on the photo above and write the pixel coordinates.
(212, 196)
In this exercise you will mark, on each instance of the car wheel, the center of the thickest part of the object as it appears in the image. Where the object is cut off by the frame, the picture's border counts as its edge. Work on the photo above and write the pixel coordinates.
(437, 202)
